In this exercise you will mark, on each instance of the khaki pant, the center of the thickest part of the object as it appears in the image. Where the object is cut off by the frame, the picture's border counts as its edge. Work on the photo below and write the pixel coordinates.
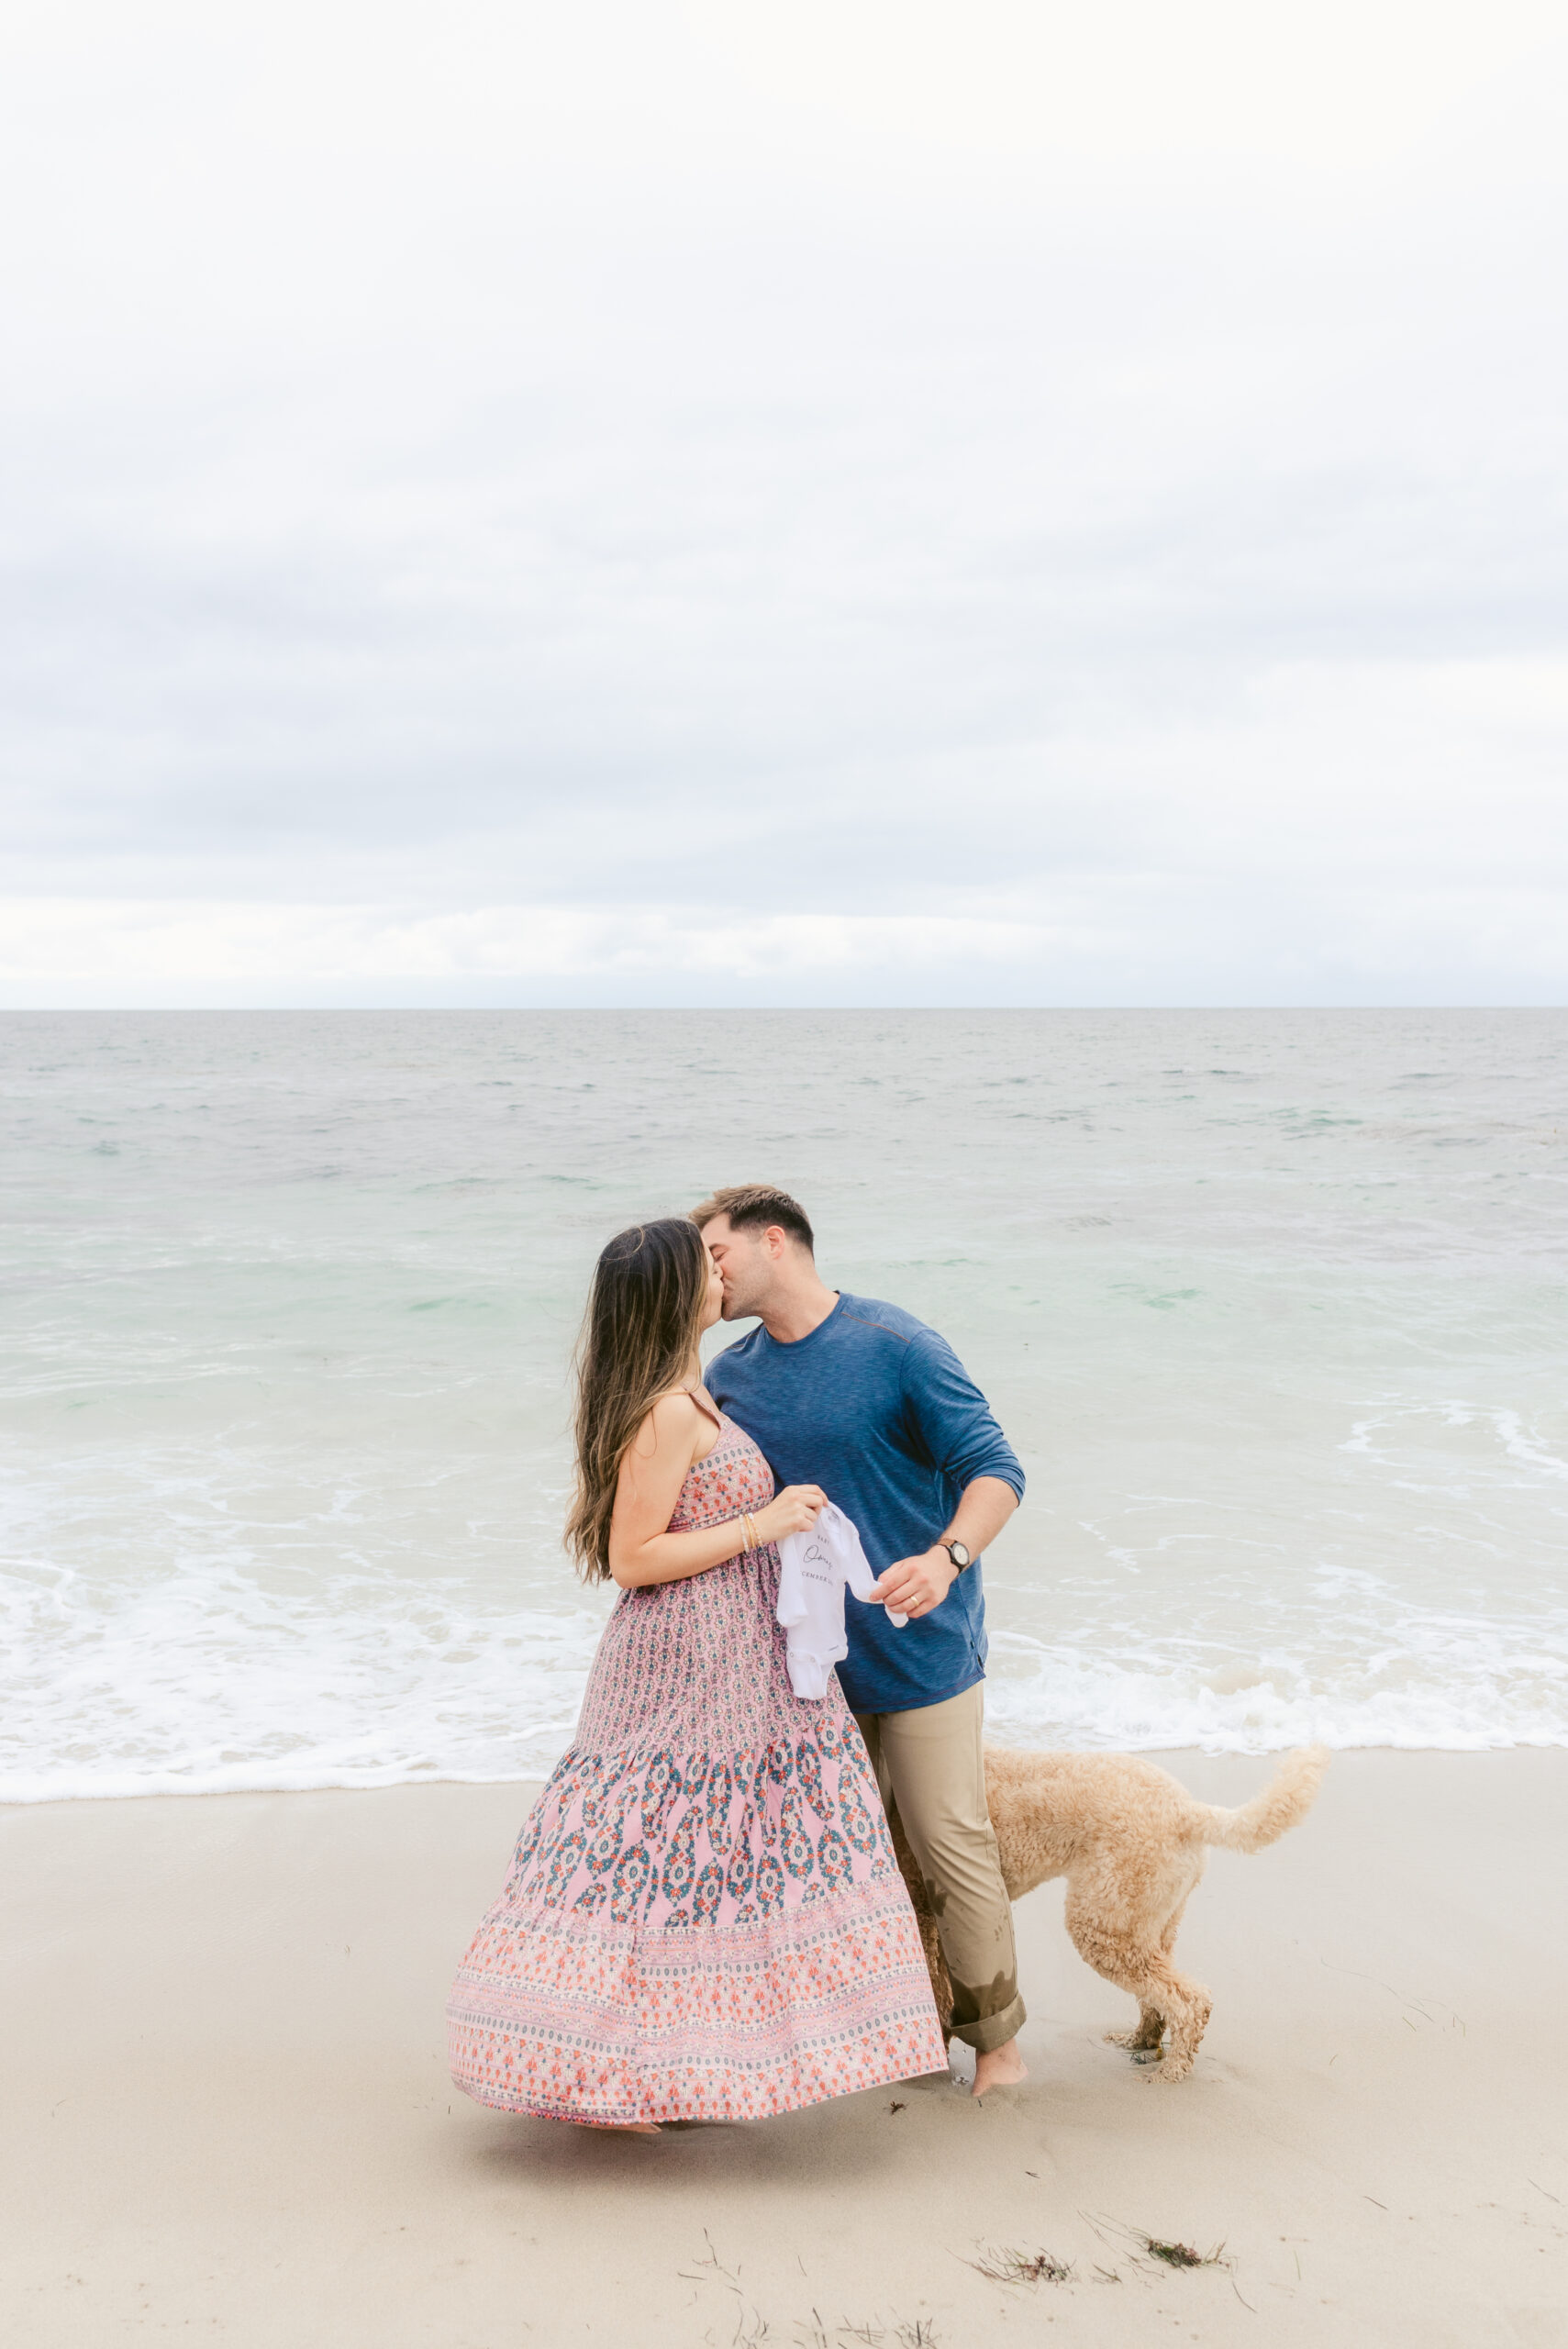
(929, 1763)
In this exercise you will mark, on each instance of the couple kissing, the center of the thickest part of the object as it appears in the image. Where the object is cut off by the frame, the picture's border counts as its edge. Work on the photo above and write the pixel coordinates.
(704, 1918)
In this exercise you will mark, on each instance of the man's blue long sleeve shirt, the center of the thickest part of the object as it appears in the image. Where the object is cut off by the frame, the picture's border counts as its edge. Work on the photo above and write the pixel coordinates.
(877, 1410)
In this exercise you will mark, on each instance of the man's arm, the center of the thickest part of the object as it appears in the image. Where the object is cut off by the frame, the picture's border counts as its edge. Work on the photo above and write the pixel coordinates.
(955, 1424)
(914, 1586)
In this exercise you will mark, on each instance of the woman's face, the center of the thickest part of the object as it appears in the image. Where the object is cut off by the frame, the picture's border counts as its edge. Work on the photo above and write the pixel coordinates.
(713, 1302)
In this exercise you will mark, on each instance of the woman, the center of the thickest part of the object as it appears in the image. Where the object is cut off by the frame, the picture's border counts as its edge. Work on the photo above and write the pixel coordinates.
(703, 1920)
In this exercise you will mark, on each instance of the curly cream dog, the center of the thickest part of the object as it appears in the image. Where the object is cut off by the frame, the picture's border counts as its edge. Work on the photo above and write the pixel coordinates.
(1132, 1844)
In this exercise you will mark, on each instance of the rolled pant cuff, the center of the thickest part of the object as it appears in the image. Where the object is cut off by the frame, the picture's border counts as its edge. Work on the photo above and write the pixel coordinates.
(992, 2031)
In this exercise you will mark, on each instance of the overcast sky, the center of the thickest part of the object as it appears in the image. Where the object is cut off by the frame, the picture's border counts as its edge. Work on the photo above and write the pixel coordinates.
(853, 503)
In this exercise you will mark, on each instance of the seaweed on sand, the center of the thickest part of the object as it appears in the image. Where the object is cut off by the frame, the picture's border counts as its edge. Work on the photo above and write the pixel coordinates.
(1182, 2255)
(1013, 2267)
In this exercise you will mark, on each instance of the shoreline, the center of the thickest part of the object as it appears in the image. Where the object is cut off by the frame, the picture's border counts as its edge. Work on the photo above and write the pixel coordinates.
(228, 2105)
(1167, 1757)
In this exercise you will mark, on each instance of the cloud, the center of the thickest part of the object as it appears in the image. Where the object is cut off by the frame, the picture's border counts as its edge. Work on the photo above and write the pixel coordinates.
(983, 501)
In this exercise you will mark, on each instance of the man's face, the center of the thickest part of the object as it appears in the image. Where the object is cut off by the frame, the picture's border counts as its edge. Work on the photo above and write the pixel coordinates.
(747, 1264)
(713, 1299)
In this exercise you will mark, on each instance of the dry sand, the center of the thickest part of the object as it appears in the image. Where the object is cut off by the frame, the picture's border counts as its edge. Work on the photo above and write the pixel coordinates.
(227, 2114)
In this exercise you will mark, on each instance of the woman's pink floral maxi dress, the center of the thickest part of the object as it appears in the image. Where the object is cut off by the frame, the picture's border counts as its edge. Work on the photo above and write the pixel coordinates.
(703, 1920)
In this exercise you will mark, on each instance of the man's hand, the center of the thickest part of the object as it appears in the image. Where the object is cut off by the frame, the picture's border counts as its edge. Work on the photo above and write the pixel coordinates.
(914, 1586)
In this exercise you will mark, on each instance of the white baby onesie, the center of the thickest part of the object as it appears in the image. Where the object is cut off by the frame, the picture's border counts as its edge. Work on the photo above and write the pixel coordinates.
(814, 1568)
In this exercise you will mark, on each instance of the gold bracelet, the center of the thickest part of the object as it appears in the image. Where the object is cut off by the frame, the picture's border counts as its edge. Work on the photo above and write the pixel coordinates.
(749, 1531)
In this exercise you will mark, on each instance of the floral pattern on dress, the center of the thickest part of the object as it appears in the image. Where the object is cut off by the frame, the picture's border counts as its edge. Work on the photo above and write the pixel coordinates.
(703, 1918)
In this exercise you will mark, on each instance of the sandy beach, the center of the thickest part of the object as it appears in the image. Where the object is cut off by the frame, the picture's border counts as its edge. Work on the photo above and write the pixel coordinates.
(227, 2112)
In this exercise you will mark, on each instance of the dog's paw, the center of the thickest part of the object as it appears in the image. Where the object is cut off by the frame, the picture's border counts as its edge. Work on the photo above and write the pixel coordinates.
(1146, 2051)
(1173, 2068)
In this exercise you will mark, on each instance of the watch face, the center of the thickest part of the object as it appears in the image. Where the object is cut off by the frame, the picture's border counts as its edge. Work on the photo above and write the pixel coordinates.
(957, 1551)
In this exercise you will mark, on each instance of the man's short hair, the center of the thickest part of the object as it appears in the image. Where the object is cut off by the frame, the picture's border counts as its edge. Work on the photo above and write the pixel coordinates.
(752, 1207)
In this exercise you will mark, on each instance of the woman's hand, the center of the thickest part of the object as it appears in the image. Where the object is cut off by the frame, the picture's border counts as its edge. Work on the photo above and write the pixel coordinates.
(794, 1511)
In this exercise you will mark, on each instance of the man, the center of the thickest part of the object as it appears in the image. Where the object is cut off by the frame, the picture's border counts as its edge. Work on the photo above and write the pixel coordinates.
(869, 1403)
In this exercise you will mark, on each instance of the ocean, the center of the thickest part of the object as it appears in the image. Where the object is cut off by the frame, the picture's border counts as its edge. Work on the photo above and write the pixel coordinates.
(1271, 1304)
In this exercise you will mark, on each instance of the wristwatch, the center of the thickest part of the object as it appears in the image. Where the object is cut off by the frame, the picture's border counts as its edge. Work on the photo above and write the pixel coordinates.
(959, 1551)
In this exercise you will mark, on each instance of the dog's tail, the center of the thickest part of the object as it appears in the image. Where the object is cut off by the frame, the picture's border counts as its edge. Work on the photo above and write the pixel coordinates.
(1283, 1804)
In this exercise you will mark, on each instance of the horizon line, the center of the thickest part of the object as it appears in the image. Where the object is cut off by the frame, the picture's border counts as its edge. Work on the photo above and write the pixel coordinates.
(220, 1010)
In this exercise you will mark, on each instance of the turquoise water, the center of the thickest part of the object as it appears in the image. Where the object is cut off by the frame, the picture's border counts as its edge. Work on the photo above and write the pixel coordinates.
(1272, 1305)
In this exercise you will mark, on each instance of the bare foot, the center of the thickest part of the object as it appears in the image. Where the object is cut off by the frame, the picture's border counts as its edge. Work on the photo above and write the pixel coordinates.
(999, 2068)
(624, 2128)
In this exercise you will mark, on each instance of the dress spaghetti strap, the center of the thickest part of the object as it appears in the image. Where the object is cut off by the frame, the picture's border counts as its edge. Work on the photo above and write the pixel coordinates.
(705, 1402)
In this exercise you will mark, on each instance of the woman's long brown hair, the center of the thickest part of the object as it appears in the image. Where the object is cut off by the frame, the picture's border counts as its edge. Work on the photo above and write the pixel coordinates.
(639, 1336)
